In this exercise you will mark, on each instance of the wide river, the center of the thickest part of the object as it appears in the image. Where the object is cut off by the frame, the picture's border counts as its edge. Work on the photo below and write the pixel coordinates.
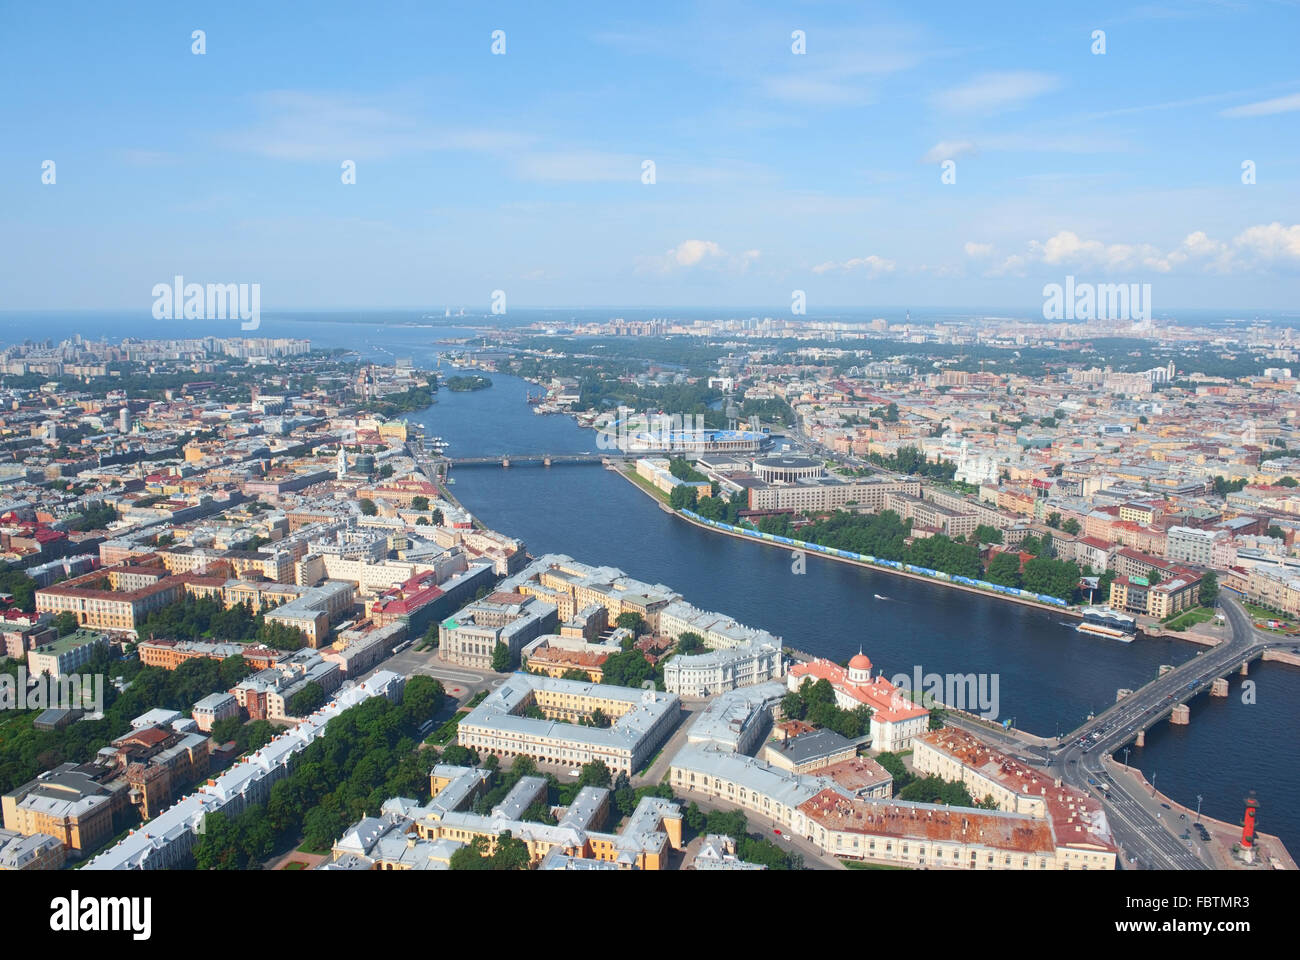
(1049, 677)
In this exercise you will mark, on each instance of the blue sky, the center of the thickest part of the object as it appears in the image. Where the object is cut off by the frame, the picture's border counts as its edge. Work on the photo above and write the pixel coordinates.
(774, 171)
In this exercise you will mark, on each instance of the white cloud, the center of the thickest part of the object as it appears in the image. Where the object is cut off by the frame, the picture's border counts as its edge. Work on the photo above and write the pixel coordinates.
(871, 265)
(990, 92)
(1271, 241)
(1264, 108)
(1255, 248)
(690, 252)
(701, 254)
(978, 250)
(947, 150)
(1014, 264)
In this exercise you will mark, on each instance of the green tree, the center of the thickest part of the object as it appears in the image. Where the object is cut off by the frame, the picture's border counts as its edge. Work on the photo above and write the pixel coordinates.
(695, 819)
(936, 790)
(986, 533)
(897, 769)
(689, 642)
(630, 669)
(233, 669)
(1071, 526)
(501, 659)
(1224, 487)
(595, 774)
(624, 795)
(1209, 588)
(458, 756)
(681, 468)
(632, 621)
(224, 730)
(420, 503)
(1103, 585)
(217, 847)
(368, 507)
(1055, 578)
(65, 623)
(511, 853)
(307, 700)
(792, 706)
(1004, 570)
(473, 856)
(682, 497)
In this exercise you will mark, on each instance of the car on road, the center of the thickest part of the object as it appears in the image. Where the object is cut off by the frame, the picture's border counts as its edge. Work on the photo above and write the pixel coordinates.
(776, 831)
(1166, 806)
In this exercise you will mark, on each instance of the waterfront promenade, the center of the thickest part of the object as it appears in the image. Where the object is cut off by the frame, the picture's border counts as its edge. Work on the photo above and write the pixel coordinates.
(1025, 601)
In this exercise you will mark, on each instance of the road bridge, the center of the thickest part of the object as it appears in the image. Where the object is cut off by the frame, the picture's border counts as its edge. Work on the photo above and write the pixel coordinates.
(1079, 758)
(545, 459)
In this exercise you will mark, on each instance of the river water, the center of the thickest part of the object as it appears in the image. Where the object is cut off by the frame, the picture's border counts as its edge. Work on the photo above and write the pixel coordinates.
(1048, 676)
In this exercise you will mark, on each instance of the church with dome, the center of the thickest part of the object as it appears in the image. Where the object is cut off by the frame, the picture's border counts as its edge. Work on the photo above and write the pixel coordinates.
(896, 721)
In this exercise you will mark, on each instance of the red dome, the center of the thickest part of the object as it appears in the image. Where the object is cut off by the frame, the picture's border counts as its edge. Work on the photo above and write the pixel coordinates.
(860, 662)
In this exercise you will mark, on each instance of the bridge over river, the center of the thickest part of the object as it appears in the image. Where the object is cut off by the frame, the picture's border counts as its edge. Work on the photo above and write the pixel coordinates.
(545, 459)
(1080, 758)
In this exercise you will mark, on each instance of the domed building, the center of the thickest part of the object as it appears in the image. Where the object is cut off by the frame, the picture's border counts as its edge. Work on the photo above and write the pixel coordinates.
(860, 668)
(896, 721)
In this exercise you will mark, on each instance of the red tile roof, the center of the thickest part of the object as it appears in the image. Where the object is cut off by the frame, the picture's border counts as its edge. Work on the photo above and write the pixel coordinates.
(886, 703)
